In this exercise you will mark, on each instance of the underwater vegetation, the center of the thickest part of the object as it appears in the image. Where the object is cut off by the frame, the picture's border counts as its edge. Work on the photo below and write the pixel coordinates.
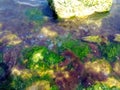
(27, 84)
(80, 49)
(40, 57)
(68, 66)
(35, 15)
(110, 51)
(32, 57)
(23, 82)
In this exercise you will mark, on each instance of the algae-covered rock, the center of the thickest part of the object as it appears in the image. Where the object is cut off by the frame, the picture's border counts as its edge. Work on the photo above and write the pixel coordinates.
(112, 82)
(117, 37)
(79, 8)
(94, 39)
(48, 32)
(99, 66)
(41, 85)
(40, 58)
(10, 38)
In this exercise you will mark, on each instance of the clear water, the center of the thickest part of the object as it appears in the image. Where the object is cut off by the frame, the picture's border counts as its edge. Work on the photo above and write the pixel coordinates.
(23, 19)
(13, 18)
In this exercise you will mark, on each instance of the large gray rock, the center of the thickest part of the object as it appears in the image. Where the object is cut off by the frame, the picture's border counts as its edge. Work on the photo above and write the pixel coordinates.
(79, 8)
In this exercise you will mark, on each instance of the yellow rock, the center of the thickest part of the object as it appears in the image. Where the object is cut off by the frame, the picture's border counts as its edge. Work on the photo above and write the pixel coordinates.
(44, 72)
(95, 39)
(48, 32)
(116, 67)
(24, 74)
(117, 37)
(99, 66)
(11, 39)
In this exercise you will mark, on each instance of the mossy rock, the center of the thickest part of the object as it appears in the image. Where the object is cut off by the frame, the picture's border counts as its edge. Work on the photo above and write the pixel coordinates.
(79, 8)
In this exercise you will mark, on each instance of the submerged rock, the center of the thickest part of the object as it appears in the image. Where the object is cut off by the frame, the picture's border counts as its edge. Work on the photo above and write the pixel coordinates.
(40, 85)
(99, 66)
(94, 39)
(116, 68)
(79, 8)
(10, 38)
(112, 82)
(117, 38)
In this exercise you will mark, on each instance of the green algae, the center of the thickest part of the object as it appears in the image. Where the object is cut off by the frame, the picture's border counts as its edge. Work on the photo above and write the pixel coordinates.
(80, 49)
(110, 51)
(18, 83)
(22, 83)
(40, 57)
(54, 87)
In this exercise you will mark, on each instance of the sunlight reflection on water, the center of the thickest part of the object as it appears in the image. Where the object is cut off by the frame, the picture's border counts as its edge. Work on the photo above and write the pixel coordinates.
(33, 3)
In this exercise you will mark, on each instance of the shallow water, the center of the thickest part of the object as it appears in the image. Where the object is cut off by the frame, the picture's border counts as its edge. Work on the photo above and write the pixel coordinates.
(15, 19)
(25, 23)
(14, 10)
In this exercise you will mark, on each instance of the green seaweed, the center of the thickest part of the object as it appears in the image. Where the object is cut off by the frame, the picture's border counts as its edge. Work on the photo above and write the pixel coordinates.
(18, 83)
(80, 49)
(33, 57)
(39, 57)
(110, 51)
(53, 58)
(54, 87)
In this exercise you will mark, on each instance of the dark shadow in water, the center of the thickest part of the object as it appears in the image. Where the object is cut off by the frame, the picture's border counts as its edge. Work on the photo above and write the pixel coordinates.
(51, 14)
(4, 71)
